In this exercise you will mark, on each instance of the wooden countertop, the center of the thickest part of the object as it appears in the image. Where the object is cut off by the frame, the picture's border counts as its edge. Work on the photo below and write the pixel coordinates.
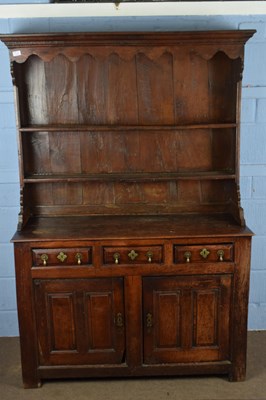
(127, 227)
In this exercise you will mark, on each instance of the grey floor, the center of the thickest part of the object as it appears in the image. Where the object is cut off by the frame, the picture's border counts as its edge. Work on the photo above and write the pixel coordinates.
(198, 388)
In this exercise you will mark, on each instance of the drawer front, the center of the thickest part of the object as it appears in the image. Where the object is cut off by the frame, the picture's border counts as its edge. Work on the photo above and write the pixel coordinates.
(133, 255)
(223, 252)
(61, 256)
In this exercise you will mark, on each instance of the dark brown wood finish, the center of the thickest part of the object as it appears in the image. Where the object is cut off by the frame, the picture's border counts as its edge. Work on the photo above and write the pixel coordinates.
(80, 321)
(240, 311)
(132, 254)
(203, 302)
(27, 317)
(146, 117)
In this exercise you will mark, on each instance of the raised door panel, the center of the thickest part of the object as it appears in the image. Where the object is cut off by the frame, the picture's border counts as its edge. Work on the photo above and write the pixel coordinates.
(80, 321)
(62, 322)
(186, 319)
(205, 317)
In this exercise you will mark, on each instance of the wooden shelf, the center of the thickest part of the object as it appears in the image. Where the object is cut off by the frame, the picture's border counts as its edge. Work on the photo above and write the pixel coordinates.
(130, 177)
(150, 226)
(102, 128)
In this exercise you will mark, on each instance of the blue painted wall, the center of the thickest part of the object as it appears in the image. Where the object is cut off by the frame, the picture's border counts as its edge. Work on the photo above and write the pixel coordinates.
(253, 142)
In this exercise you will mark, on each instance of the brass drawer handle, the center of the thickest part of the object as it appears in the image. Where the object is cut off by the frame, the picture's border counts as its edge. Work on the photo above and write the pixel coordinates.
(78, 257)
(132, 255)
(187, 256)
(62, 256)
(204, 253)
(116, 258)
(220, 254)
(44, 258)
(149, 255)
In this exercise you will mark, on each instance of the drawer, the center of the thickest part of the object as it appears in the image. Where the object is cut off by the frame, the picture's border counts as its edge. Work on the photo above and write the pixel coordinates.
(204, 253)
(61, 257)
(133, 255)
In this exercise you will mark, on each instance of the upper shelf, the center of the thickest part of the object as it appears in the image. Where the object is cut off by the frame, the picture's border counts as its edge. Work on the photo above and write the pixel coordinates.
(130, 177)
(105, 128)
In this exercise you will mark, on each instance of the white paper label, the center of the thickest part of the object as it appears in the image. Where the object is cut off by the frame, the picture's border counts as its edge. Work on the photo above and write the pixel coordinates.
(16, 53)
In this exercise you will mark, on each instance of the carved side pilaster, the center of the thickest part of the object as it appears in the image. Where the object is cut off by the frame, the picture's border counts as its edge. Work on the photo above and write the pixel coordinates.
(21, 214)
(241, 211)
(24, 213)
(239, 72)
(236, 209)
(12, 72)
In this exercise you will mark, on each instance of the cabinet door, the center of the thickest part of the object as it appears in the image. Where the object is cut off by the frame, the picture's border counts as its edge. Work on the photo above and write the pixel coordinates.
(80, 321)
(186, 319)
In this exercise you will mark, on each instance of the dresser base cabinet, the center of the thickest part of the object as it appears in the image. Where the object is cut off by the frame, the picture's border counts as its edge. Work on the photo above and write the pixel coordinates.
(132, 253)
(167, 316)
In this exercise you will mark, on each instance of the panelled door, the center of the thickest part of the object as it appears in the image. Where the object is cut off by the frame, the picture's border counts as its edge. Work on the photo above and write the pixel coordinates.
(186, 319)
(80, 321)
